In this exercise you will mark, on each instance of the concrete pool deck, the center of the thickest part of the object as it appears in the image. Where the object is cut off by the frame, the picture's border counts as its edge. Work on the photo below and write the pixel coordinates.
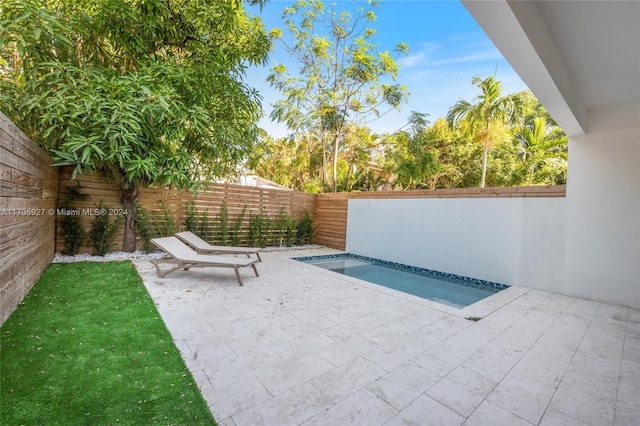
(302, 345)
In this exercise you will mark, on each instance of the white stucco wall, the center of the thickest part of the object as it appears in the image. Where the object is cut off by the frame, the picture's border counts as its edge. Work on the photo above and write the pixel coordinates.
(585, 245)
(602, 257)
(507, 240)
(542, 243)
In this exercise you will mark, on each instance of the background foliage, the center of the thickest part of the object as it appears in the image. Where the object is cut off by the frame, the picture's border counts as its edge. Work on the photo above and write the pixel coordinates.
(529, 151)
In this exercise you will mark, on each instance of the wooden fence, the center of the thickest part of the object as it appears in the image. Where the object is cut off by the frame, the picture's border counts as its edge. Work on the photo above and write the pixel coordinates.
(331, 209)
(28, 195)
(163, 202)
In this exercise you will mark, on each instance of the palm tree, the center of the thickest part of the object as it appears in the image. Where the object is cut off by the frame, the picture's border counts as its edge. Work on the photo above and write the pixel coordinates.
(540, 146)
(489, 110)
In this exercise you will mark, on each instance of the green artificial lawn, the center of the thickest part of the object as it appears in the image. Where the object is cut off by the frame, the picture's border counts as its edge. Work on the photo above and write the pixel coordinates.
(87, 346)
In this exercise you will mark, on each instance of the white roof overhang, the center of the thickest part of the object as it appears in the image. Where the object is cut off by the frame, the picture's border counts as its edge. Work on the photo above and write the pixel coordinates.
(574, 55)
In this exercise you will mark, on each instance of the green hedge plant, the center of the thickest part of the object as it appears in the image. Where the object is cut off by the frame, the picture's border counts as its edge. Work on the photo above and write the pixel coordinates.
(102, 230)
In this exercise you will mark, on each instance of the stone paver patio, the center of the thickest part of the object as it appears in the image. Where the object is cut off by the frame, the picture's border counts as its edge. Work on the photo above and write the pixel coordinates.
(301, 345)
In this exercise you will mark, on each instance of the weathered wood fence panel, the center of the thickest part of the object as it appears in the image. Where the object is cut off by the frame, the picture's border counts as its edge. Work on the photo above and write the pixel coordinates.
(95, 188)
(28, 196)
(331, 210)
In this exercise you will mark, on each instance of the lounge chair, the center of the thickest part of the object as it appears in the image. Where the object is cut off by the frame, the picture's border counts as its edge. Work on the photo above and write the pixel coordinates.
(203, 247)
(184, 257)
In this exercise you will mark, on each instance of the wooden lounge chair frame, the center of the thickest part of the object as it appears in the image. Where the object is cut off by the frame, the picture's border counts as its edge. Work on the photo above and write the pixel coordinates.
(184, 257)
(203, 247)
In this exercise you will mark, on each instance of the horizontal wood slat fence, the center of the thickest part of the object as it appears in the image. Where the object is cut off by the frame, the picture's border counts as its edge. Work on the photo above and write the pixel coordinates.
(28, 190)
(207, 202)
(331, 209)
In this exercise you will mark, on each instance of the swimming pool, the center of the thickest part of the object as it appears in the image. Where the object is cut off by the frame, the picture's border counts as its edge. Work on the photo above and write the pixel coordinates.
(448, 289)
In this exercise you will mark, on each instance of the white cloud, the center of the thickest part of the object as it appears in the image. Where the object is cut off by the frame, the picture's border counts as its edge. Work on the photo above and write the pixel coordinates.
(485, 55)
(412, 60)
(421, 57)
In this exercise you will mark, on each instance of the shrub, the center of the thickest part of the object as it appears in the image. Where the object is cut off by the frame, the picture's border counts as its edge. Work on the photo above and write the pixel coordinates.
(305, 230)
(196, 223)
(102, 230)
(72, 232)
(143, 229)
(234, 232)
(191, 217)
(203, 227)
(285, 227)
(164, 226)
(223, 224)
(258, 229)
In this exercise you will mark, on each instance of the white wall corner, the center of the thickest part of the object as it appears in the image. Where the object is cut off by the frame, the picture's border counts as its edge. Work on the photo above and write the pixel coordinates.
(602, 256)
(518, 30)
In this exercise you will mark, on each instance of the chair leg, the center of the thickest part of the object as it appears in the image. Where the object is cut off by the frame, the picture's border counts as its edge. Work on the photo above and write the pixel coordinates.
(255, 270)
(156, 263)
(257, 254)
(235, 268)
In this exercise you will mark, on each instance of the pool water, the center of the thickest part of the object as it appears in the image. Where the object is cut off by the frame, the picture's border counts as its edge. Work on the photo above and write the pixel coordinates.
(448, 289)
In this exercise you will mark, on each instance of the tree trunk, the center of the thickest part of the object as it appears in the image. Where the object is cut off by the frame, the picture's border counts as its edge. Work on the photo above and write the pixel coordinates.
(130, 195)
(334, 186)
(484, 164)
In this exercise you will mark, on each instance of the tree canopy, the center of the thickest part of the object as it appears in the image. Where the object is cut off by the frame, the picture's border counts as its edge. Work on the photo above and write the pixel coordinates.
(146, 91)
(343, 81)
(485, 118)
(532, 151)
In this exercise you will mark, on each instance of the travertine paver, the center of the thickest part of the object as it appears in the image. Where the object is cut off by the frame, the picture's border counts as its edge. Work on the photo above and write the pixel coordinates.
(361, 408)
(462, 390)
(425, 411)
(525, 397)
(301, 345)
(403, 385)
(489, 414)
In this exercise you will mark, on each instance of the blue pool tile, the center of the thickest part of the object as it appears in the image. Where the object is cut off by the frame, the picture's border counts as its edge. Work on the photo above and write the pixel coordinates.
(443, 276)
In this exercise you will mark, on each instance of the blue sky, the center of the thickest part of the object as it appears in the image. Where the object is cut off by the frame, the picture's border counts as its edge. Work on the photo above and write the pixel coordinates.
(446, 49)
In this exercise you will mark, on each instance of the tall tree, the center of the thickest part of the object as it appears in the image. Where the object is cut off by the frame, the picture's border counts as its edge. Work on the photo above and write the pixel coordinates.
(442, 156)
(542, 153)
(146, 91)
(292, 162)
(340, 80)
(359, 169)
(488, 110)
(411, 154)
